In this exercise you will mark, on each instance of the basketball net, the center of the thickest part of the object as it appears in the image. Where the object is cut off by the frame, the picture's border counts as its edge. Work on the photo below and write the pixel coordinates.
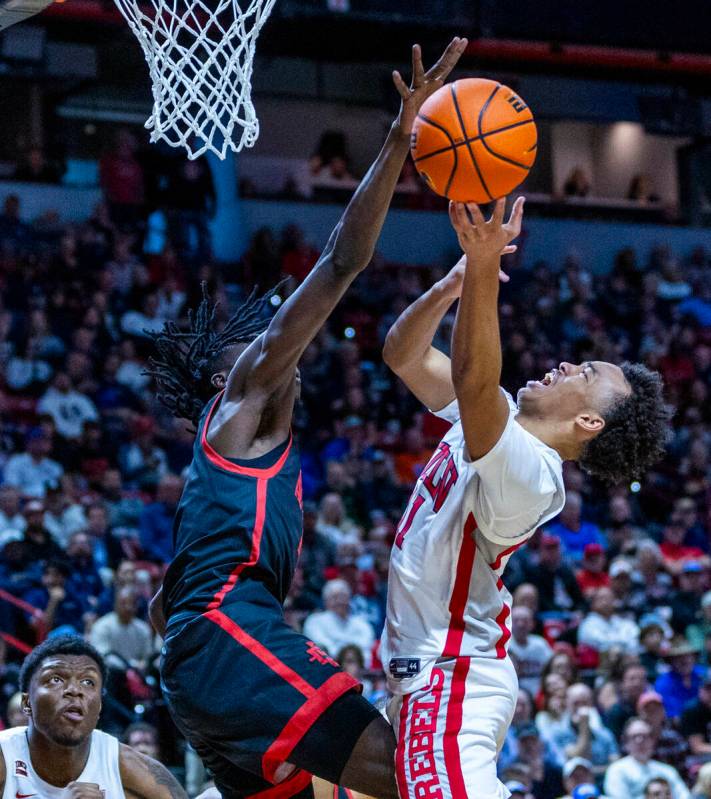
(200, 62)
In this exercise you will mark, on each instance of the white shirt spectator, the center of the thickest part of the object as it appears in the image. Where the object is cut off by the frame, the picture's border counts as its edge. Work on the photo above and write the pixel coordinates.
(31, 476)
(135, 323)
(530, 660)
(69, 409)
(130, 374)
(336, 626)
(602, 634)
(62, 526)
(627, 777)
(21, 372)
(121, 632)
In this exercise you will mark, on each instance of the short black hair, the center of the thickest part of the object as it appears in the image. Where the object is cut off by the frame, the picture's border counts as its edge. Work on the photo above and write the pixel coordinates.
(636, 430)
(58, 645)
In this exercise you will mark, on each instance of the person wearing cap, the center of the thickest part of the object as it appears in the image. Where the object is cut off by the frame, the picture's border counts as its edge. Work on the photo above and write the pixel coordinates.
(518, 790)
(633, 684)
(674, 549)
(530, 652)
(699, 631)
(580, 731)
(592, 574)
(696, 721)
(670, 746)
(681, 683)
(588, 790)
(627, 777)
(602, 629)
(621, 583)
(686, 602)
(33, 470)
(577, 771)
(39, 546)
(574, 532)
(653, 632)
(545, 772)
(558, 590)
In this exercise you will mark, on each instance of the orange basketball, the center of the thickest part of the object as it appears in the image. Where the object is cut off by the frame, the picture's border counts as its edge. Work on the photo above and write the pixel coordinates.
(474, 140)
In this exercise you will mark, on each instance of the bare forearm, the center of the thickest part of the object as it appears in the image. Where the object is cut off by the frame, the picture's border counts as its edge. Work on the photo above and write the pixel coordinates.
(476, 342)
(354, 239)
(410, 338)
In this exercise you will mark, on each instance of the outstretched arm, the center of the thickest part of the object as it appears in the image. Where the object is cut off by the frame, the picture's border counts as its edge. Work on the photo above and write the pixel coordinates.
(145, 778)
(408, 349)
(268, 364)
(476, 342)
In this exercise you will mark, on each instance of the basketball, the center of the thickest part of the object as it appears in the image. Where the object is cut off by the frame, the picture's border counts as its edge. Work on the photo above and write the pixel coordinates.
(474, 140)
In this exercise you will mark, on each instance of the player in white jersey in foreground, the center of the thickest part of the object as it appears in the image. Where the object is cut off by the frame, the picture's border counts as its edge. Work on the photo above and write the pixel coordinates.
(494, 478)
(60, 754)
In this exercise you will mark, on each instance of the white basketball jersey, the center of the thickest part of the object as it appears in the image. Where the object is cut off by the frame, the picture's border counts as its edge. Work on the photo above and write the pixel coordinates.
(22, 782)
(464, 520)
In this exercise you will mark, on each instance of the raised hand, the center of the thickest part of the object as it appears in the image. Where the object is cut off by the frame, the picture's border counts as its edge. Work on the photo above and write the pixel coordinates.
(481, 239)
(424, 83)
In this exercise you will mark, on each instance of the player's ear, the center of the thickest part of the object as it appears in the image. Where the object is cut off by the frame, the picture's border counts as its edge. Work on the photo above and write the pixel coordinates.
(25, 705)
(589, 424)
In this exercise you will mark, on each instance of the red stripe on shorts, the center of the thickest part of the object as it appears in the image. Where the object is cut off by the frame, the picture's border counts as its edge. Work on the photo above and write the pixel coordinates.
(452, 757)
(400, 774)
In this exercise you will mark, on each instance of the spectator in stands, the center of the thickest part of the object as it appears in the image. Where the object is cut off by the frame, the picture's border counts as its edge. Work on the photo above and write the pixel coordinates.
(411, 460)
(558, 589)
(577, 184)
(143, 463)
(592, 573)
(627, 778)
(653, 582)
(333, 523)
(122, 180)
(674, 551)
(529, 652)
(641, 189)
(632, 686)
(32, 471)
(143, 738)
(577, 771)
(11, 520)
(698, 632)
(581, 733)
(336, 626)
(69, 408)
(156, 522)
(658, 788)
(62, 516)
(669, 745)
(622, 588)
(38, 544)
(62, 612)
(318, 553)
(686, 602)
(121, 633)
(573, 531)
(34, 168)
(547, 778)
(554, 689)
(681, 683)
(696, 721)
(652, 634)
(602, 629)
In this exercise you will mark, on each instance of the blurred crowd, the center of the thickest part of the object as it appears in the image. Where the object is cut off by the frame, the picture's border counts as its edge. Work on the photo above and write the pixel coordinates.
(611, 621)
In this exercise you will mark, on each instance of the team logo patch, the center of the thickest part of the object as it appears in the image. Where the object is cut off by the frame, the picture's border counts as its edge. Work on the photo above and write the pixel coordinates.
(20, 768)
(402, 668)
(317, 654)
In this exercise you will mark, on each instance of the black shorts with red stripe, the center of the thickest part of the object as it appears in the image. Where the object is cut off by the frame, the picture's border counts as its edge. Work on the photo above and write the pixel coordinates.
(250, 694)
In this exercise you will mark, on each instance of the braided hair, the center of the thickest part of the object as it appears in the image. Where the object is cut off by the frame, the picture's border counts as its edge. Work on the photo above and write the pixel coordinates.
(185, 360)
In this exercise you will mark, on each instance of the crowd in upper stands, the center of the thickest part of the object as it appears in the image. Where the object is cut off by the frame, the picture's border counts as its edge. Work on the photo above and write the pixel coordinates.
(611, 619)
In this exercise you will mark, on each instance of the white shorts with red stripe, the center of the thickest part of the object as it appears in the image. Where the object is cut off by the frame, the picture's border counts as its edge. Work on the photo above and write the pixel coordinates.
(450, 732)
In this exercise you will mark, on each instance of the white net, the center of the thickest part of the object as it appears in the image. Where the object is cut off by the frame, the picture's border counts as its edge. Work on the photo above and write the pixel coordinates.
(200, 61)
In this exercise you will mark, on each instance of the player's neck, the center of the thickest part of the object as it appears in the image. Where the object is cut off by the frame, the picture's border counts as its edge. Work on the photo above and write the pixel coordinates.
(552, 435)
(55, 764)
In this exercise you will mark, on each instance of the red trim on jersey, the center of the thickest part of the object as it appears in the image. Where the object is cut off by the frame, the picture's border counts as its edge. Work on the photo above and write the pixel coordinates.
(260, 651)
(400, 775)
(508, 551)
(304, 718)
(499, 584)
(287, 788)
(505, 634)
(217, 460)
(259, 516)
(460, 593)
(335, 792)
(452, 756)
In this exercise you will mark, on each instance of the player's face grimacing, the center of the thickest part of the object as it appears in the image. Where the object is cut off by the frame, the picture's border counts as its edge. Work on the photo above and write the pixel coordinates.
(579, 393)
(64, 700)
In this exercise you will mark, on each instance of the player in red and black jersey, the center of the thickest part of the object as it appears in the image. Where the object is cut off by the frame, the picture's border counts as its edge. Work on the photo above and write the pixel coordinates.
(261, 704)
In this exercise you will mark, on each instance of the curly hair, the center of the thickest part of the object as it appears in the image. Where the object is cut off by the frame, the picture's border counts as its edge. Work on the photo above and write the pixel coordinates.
(636, 430)
(58, 645)
(186, 360)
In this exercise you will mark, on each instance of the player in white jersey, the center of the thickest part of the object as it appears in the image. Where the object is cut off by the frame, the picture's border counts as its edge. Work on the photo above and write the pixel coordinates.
(60, 754)
(494, 478)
